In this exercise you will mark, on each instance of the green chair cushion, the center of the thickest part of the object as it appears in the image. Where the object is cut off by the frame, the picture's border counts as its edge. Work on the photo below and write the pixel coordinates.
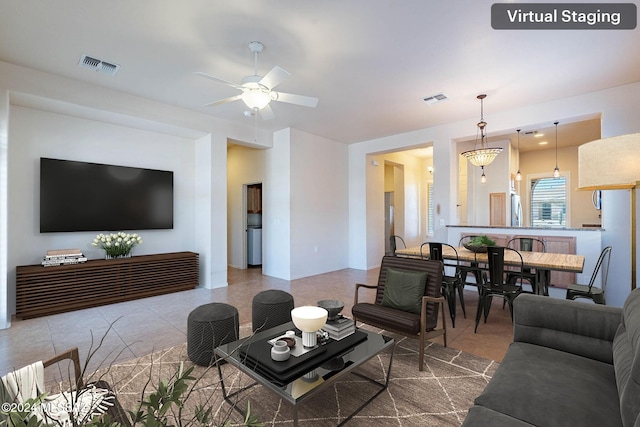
(404, 290)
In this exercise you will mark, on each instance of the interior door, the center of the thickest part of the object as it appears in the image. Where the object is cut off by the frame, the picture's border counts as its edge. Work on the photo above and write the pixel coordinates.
(498, 209)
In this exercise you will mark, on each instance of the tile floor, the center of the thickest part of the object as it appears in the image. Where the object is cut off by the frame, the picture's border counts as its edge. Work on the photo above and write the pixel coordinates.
(139, 327)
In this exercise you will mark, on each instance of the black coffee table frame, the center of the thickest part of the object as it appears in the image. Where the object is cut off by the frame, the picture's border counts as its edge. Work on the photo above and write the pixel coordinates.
(352, 358)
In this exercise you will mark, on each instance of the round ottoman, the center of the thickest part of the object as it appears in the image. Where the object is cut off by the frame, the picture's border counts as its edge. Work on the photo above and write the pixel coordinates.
(209, 326)
(271, 308)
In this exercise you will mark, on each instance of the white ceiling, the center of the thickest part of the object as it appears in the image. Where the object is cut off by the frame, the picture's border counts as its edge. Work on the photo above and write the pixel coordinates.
(370, 62)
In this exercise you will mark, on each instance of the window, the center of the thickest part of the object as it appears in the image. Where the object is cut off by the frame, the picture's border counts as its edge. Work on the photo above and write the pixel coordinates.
(549, 202)
(430, 208)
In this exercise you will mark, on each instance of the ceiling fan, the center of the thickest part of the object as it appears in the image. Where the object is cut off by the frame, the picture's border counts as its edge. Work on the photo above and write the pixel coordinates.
(257, 91)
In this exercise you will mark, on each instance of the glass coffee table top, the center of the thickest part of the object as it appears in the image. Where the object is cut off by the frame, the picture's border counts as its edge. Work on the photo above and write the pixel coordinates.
(302, 379)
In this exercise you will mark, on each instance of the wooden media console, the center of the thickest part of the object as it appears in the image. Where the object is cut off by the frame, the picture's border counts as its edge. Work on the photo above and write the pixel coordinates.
(42, 291)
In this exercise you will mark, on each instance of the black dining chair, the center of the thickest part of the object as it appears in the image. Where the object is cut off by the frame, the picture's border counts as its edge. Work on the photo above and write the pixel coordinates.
(470, 268)
(529, 244)
(450, 284)
(495, 285)
(393, 243)
(589, 291)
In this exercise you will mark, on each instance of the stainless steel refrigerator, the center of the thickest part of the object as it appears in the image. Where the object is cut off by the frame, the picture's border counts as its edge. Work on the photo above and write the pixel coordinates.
(516, 211)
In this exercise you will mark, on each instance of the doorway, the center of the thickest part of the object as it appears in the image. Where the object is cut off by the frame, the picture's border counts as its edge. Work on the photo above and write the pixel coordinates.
(253, 225)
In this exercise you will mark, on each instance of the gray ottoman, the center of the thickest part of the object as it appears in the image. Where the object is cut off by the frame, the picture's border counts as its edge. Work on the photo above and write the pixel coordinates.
(209, 326)
(271, 308)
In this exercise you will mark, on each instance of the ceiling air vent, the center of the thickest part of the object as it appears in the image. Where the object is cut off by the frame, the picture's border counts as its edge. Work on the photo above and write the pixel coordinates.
(434, 99)
(99, 65)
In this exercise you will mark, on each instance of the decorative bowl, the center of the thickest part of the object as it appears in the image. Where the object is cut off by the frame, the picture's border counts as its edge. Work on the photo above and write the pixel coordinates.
(475, 248)
(333, 307)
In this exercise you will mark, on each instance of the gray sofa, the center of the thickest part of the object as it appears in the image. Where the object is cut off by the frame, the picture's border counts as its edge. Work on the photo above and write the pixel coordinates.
(570, 364)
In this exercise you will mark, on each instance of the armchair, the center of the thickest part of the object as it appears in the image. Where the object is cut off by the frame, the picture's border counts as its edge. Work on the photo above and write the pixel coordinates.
(421, 320)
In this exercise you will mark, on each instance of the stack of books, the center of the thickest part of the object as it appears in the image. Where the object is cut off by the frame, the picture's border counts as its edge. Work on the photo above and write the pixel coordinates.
(63, 257)
(340, 327)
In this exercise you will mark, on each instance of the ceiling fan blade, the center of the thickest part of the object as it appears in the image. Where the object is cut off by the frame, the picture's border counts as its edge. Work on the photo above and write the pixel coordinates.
(267, 113)
(217, 79)
(223, 101)
(307, 101)
(274, 77)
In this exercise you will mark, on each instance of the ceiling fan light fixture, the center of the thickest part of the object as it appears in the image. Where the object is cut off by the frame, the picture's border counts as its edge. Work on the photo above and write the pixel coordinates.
(256, 99)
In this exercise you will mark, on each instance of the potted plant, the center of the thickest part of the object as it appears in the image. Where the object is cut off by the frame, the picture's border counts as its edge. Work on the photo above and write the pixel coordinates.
(479, 243)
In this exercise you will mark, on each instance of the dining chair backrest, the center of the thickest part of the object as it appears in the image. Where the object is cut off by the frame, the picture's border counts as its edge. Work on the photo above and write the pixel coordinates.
(394, 244)
(495, 261)
(601, 264)
(435, 251)
(527, 244)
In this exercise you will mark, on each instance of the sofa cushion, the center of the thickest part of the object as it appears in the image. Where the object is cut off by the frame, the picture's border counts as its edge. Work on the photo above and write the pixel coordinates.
(626, 359)
(404, 290)
(547, 387)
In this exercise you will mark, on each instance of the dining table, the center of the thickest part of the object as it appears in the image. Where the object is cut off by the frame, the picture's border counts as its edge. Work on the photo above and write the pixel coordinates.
(542, 262)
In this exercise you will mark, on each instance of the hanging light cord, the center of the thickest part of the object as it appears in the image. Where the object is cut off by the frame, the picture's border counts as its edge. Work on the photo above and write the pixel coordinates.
(556, 171)
(518, 175)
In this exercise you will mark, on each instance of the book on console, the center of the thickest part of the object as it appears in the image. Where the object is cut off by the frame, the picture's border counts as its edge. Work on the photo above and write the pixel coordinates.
(63, 252)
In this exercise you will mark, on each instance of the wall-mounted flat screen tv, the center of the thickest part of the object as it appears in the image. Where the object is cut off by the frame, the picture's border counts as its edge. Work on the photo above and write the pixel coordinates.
(81, 196)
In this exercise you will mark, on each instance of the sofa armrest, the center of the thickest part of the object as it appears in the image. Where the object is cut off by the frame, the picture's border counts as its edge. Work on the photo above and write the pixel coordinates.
(580, 328)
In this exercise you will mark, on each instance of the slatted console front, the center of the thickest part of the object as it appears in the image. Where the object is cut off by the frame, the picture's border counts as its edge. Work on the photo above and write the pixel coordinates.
(41, 291)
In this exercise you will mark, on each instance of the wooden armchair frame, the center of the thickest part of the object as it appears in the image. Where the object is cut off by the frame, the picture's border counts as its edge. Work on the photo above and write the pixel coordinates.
(116, 412)
(421, 326)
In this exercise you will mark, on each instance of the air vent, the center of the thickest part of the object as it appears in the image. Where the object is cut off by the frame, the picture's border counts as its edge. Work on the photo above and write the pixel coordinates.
(434, 99)
(98, 65)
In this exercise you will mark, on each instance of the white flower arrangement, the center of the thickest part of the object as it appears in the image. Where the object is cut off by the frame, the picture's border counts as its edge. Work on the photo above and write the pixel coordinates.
(117, 244)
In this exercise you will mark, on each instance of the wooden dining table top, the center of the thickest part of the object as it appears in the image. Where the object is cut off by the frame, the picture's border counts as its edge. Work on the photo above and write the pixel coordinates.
(540, 260)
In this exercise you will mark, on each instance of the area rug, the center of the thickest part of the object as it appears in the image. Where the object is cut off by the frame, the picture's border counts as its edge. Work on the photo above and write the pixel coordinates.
(440, 395)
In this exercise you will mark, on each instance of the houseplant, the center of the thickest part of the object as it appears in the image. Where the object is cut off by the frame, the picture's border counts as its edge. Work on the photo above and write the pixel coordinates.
(166, 399)
(479, 243)
(117, 245)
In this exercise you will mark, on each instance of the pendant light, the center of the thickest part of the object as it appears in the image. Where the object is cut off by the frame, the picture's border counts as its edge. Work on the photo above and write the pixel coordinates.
(484, 155)
(518, 174)
(556, 171)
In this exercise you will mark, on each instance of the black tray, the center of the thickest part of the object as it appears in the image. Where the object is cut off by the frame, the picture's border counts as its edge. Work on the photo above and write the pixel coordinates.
(257, 356)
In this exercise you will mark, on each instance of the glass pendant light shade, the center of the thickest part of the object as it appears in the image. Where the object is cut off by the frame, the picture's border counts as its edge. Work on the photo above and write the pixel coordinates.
(256, 99)
(484, 155)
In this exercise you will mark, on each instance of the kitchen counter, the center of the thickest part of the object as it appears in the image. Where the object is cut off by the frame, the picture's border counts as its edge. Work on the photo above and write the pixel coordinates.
(493, 227)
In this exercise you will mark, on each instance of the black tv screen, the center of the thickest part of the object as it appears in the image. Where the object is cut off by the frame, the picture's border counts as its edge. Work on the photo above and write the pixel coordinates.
(80, 196)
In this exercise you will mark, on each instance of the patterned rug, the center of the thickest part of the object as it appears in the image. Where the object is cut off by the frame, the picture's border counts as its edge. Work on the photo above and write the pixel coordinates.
(438, 396)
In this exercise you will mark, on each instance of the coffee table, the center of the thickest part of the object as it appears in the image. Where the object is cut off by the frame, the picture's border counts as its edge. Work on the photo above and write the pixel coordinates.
(319, 370)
